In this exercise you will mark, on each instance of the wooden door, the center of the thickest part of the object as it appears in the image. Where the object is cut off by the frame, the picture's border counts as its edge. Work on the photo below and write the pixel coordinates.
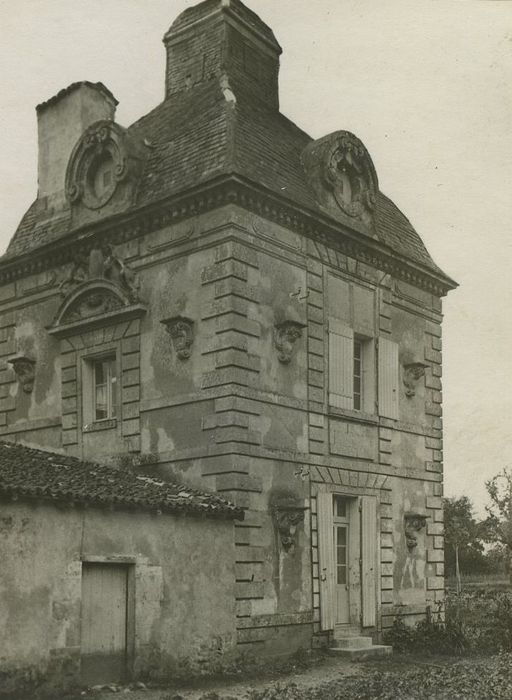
(104, 623)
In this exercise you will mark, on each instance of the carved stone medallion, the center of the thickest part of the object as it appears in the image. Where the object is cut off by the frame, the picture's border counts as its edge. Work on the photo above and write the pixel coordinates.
(181, 330)
(103, 158)
(413, 523)
(285, 336)
(25, 370)
(287, 513)
(413, 371)
(342, 175)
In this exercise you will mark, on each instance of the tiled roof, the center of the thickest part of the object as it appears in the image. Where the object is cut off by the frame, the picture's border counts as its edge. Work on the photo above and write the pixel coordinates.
(34, 474)
(195, 136)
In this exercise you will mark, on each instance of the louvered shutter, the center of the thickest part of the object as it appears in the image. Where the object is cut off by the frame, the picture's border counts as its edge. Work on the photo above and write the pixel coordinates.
(388, 378)
(369, 559)
(326, 560)
(341, 364)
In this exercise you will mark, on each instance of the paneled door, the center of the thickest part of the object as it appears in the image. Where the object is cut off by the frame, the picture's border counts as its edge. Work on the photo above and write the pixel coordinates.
(104, 623)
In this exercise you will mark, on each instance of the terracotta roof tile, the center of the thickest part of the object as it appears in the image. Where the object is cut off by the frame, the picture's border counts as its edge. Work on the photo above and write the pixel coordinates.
(35, 474)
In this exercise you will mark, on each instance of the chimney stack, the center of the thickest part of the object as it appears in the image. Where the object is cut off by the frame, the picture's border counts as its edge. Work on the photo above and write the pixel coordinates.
(223, 40)
(61, 121)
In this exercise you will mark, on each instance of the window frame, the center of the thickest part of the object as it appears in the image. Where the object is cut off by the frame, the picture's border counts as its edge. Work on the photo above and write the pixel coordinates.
(89, 390)
(346, 400)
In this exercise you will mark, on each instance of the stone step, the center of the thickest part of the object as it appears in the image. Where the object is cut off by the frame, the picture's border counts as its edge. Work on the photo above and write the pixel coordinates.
(353, 641)
(345, 631)
(362, 653)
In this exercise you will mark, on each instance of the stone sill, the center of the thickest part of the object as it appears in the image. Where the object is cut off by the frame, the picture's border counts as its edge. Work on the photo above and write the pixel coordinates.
(350, 414)
(107, 424)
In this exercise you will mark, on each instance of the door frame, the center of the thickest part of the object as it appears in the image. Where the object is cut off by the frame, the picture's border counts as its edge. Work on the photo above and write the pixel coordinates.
(130, 563)
(356, 493)
(353, 560)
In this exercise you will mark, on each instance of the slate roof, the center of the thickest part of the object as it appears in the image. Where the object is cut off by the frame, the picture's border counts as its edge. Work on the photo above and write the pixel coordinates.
(28, 473)
(195, 136)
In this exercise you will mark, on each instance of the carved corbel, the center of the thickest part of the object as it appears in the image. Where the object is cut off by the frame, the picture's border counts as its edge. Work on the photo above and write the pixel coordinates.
(287, 514)
(413, 523)
(181, 330)
(286, 334)
(413, 371)
(25, 370)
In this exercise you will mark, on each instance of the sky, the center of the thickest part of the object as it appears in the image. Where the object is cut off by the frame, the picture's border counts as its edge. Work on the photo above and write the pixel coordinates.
(425, 84)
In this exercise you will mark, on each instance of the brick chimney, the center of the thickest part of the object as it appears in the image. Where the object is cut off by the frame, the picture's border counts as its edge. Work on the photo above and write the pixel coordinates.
(61, 121)
(223, 40)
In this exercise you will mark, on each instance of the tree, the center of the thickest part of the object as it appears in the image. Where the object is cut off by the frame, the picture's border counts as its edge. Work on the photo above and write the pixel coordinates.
(498, 525)
(462, 536)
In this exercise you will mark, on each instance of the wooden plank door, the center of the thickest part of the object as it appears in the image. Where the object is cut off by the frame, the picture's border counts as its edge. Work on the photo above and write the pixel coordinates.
(104, 623)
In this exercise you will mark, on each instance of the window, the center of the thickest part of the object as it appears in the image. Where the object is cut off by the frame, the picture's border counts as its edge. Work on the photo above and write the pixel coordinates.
(99, 388)
(351, 369)
(358, 373)
(104, 388)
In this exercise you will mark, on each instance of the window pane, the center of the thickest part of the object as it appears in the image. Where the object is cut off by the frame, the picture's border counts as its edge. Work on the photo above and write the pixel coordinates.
(357, 374)
(113, 394)
(100, 372)
(104, 388)
(342, 574)
(340, 507)
(101, 402)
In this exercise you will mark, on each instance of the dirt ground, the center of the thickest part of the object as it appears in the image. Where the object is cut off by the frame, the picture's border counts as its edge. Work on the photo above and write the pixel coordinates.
(328, 670)
(400, 677)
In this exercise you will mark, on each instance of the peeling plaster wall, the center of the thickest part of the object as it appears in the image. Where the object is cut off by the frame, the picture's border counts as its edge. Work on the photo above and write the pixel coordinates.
(184, 589)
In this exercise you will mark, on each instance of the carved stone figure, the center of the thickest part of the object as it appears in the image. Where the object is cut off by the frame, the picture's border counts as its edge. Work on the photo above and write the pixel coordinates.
(413, 523)
(287, 514)
(181, 330)
(342, 175)
(101, 263)
(413, 371)
(25, 370)
(285, 336)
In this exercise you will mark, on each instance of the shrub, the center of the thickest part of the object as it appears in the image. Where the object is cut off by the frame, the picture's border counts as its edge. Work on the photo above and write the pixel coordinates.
(474, 622)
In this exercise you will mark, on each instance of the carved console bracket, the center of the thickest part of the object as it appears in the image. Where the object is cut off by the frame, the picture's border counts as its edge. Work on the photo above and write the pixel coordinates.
(287, 514)
(25, 370)
(413, 371)
(181, 330)
(286, 334)
(413, 523)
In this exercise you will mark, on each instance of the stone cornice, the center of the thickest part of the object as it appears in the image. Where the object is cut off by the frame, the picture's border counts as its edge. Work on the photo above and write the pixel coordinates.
(223, 191)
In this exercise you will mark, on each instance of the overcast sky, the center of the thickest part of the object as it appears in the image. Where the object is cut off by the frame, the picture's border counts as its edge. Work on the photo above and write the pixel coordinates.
(426, 85)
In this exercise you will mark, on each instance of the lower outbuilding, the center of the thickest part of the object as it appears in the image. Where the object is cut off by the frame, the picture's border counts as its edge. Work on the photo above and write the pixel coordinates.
(108, 576)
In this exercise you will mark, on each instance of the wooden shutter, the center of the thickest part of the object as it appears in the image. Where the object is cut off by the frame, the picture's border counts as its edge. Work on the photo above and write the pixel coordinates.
(341, 364)
(326, 560)
(369, 559)
(388, 378)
